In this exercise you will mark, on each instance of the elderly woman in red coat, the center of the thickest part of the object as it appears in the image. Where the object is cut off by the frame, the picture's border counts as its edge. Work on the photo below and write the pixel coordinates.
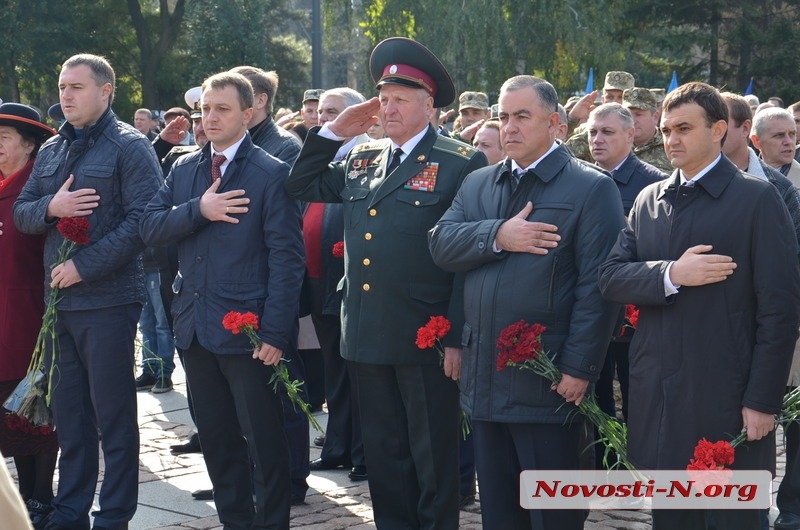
(21, 307)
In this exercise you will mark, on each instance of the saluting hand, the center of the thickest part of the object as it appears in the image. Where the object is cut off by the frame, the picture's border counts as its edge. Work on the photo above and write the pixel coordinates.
(519, 235)
(221, 206)
(580, 112)
(356, 119)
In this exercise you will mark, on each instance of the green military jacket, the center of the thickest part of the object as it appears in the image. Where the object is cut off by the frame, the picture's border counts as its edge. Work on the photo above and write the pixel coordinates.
(578, 143)
(391, 285)
(653, 153)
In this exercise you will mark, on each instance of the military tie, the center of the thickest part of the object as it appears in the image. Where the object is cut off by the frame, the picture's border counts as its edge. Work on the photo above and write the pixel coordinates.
(216, 162)
(396, 154)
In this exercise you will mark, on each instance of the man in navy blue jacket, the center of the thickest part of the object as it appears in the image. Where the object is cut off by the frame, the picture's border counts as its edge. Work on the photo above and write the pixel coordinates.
(240, 248)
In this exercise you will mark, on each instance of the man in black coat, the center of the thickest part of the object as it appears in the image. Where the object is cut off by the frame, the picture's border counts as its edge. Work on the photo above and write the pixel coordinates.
(710, 258)
(393, 191)
(240, 249)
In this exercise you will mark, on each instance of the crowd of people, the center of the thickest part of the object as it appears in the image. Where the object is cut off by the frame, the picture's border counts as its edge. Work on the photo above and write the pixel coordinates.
(344, 227)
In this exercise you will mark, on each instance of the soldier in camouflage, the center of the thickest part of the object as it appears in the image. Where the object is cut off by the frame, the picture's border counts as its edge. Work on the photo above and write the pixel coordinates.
(615, 84)
(648, 143)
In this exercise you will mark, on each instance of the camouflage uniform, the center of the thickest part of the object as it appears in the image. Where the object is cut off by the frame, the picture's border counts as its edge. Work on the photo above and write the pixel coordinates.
(653, 153)
(578, 143)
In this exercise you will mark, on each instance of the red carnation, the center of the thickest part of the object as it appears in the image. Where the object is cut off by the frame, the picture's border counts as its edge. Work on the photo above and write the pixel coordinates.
(338, 249)
(426, 338)
(518, 343)
(632, 315)
(76, 229)
(711, 456)
(429, 334)
(239, 322)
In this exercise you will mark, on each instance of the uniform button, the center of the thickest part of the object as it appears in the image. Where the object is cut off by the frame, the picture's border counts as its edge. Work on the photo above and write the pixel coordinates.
(365, 287)
(367, 236)
(198, 259)
(366, 262)
(373, 212)
(416, 203)
(197, 295)
(593, 368)
(481, 245)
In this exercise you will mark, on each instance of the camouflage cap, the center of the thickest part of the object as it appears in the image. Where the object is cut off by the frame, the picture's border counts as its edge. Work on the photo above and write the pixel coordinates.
(312, 94)
(473, 100)
(659, 94)
(618, 81)
(639, 98)
(192, 99)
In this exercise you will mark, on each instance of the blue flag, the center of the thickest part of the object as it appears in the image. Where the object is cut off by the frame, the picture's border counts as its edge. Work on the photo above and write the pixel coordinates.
(590, 81)
(749, 88)
(674, 83)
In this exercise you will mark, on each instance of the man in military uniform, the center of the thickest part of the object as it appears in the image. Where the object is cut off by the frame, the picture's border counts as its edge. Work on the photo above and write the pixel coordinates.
(310, 105)
(648, 144)
(659, 94)
(615, 84)
(473, 107)
(394, 190)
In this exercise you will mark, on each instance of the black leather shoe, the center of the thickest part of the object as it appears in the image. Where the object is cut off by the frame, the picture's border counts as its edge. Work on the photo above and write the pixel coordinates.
(787, 521)
(203, 495)
(321, 465)
(192, 446)
(319, 441)
(358, 473)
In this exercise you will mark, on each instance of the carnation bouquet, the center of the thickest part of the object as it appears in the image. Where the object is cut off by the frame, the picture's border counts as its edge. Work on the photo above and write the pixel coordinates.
(520, 345)
(247, 323)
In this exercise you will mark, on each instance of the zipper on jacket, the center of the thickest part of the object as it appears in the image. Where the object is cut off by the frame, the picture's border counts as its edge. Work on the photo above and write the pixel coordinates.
(551, 293)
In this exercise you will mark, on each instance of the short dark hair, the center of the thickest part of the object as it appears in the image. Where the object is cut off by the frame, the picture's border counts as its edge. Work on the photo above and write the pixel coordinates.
(702, 94)
(546, 92)
(238, 81)
(102, 72)
(739, 108)
(263, 82)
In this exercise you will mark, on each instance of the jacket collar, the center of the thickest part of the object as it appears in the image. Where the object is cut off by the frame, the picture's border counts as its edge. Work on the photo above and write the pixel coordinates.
(714, 182)
(546, 170)
(625, 172)
(90, 132)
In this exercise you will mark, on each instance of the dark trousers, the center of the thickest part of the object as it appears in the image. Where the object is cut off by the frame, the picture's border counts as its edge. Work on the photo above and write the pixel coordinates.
(239, 420)
(343, 442)
(410, 426)
(466, 464)
(503, 451)
(616, 363)
(295, 425)
(788, 499)
(94, 391)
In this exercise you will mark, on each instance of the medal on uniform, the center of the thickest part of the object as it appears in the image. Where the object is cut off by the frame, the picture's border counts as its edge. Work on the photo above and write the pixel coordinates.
(425, 180)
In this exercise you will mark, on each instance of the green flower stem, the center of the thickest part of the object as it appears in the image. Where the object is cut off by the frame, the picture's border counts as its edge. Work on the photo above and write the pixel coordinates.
(613, 433)
(281, 376)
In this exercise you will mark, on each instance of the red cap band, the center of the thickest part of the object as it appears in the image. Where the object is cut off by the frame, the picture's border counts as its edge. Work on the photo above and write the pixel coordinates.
(409, 73)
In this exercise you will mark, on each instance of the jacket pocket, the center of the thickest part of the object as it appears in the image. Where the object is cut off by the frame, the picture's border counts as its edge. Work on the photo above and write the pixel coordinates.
(416, 212)
(430, 294)
(353, 206)
(98, 171)
(242, 291)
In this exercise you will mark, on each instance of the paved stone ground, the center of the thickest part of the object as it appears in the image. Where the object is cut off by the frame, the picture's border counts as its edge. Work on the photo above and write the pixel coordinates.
(334, 502)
